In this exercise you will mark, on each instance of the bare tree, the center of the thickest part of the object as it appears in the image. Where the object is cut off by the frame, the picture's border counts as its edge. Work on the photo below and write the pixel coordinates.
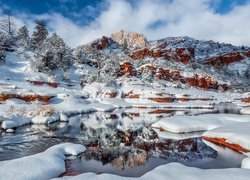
(7, 32)
(8, 26)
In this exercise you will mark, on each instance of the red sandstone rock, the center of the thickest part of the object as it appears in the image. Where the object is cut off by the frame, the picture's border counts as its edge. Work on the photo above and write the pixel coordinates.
(208, 82)
(231, 57)
(27, 98)
(165, 74)
(223, 142)
(161, 111)
(40, 83)
(226, 59)
(162, 100)
(126, 69)
(102, 44)
(247, 53)
(190, 81)
(200, 81)
(111, 94)
(142, 53)
(175, 75)
(184, 55)
(246, 100)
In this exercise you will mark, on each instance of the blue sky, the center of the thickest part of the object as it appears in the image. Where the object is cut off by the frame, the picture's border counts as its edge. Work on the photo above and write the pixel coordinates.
(84, 11)
(81, 21)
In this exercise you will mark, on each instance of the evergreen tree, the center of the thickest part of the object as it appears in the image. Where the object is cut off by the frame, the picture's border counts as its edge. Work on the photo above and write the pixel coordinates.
(23, 37)
(53, 54)
(39, 35)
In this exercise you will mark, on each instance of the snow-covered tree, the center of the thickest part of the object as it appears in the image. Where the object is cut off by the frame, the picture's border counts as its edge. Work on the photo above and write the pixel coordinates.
(53, 54)
(4, 45)
(39, 35)
(105, 65)
(8, 26)
(23, 37)
(7, 32)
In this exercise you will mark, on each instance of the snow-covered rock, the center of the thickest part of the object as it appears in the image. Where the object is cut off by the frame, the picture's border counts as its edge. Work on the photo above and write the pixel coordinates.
(235, 136)
(184, 124)
(45, 165)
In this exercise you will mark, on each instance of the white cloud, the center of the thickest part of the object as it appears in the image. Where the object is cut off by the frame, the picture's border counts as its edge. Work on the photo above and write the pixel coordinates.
(193, 18)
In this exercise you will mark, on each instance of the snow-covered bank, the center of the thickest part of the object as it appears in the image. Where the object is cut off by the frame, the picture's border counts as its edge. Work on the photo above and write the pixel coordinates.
(172, 171)
(45, 165)
(184, 124)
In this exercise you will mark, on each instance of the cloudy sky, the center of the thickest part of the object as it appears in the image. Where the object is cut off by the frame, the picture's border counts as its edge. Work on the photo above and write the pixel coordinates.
(81, 21)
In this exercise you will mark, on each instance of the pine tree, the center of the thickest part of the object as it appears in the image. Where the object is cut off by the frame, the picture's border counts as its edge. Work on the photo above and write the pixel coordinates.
(23, 37)
(53, 54)
(39, 35)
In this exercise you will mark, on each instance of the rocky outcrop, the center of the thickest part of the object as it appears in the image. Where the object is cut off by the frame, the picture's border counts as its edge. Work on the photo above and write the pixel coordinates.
(40, 83)
(130, 40)
(101, 44)
(203, 82)
(226, 59)
(142, 53)
(27, 98)
(126, 68)
(184, 55)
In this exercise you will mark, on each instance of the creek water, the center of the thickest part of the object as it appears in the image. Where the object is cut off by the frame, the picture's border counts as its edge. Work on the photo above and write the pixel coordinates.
(121, 142)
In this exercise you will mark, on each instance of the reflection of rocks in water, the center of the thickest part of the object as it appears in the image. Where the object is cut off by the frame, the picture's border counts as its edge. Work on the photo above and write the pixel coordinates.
(180, 150)
(120, 158)
(133, 148)
(132, 160)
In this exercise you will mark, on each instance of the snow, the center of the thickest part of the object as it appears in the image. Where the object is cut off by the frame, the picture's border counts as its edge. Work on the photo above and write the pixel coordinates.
(234, 134)
(245, 164)
(45, 165)
(14, 122)
(245, 110)
(177, 136)
(71, 99)
(184, 124)
(172, 171)
(45, 119)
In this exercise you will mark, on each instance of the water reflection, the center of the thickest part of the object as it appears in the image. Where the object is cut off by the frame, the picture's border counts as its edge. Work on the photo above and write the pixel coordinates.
(121, 142)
